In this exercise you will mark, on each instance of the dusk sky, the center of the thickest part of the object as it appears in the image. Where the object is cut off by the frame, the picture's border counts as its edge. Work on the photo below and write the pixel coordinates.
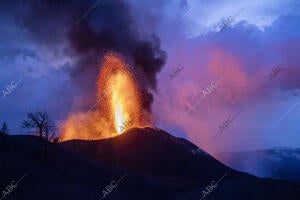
(246, 52)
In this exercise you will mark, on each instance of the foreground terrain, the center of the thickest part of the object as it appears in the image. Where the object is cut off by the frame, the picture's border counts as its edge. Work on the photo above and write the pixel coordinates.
(141, 163)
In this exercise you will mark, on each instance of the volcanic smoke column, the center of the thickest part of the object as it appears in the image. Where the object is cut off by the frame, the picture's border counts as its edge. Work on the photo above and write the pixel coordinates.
(120, 95)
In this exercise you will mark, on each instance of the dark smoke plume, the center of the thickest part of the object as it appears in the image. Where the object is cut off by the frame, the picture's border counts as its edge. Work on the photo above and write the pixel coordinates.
(90, 28)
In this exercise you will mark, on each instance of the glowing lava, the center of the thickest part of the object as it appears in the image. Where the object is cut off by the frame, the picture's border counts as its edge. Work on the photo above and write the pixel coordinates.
(119, 104)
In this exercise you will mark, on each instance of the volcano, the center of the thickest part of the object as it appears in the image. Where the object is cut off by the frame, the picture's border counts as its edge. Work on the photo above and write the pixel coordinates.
(154, 164)
(152, 151)
(177, 164)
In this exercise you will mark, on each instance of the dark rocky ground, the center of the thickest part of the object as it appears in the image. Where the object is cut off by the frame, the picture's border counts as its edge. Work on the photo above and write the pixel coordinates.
(154, 164)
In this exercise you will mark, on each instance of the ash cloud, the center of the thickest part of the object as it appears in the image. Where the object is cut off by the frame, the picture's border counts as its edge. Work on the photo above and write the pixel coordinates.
(89, 28)
(110, 28)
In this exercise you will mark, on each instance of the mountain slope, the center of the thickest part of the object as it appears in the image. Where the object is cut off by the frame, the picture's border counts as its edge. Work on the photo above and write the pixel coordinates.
(64, 174)
(177, 162)
(154, 164)
(154, 152)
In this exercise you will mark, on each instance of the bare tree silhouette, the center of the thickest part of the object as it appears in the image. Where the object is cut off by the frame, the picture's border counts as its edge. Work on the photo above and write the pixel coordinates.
(42, 122)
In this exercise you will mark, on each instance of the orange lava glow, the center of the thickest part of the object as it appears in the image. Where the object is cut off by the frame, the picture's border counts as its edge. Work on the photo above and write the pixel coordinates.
(119, 105)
